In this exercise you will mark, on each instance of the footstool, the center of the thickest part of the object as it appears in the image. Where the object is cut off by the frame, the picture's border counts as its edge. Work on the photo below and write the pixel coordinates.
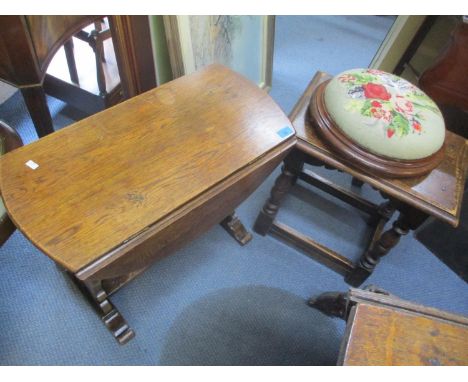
(107, 196)
(437, 193)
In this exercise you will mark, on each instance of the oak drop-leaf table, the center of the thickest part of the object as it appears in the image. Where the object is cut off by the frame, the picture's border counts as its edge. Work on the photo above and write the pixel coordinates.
(107, 196)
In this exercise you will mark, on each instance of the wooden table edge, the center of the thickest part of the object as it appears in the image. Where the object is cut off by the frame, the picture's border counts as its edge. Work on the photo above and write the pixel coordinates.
(87, 270)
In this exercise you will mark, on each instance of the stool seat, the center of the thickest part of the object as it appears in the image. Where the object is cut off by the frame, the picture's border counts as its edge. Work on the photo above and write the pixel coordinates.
(377, 117)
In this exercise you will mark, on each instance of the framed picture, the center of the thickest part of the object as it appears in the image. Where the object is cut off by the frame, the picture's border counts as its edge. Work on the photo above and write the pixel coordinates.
(243, 43)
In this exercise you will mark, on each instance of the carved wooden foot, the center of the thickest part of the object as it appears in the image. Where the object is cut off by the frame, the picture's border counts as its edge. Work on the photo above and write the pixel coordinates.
(289, 172)
(333, 304)
(388, 240)
(236, 229)
(111, 317)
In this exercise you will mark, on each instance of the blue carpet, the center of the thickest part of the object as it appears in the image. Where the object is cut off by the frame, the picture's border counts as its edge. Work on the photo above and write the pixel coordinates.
(215, 302)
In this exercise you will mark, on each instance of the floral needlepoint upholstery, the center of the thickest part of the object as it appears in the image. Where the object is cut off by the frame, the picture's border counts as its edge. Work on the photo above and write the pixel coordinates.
(385, 114)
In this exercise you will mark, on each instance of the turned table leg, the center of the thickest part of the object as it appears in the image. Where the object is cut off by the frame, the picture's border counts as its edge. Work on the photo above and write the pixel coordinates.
(289, 172)
(236, 229)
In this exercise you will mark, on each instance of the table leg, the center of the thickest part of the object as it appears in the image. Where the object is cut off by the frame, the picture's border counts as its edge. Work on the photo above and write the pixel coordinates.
(236, 229)
(289, 172)
(114, 321)
(409, 219)
(36, 103)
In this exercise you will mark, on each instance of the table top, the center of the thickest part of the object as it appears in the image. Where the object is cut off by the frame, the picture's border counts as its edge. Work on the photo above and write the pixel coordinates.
(438, 194)
(108, 177)
(381, 335)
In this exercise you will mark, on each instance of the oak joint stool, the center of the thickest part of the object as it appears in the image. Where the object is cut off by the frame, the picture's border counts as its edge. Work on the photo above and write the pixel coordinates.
(438, 194)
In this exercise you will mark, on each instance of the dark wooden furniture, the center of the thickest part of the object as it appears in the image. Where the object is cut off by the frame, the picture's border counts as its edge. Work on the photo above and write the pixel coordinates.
(131, 37)
(383, 330)
(120, 189)
(105, 92)
(437, 194)
(446, 81)
(9, 140)
(28, 43)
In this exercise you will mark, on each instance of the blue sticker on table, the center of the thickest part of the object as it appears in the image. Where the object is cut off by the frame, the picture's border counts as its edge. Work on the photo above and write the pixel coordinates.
(285, 131)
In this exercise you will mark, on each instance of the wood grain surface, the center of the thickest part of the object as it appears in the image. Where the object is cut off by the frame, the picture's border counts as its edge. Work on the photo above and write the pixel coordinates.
(379, 335)
(439, 193)
(105, 179)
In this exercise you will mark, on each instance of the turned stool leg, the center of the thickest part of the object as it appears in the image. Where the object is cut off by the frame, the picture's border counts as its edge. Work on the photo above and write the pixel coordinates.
(380, 248)
(410, 218)
(289, 172)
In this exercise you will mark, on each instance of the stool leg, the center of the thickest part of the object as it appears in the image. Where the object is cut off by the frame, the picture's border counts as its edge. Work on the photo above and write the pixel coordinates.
(410, 218)
(289, 172)
(388, 240)
(236, 229)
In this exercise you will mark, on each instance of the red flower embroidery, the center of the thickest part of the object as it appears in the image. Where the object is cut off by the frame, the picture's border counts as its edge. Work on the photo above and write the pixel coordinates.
(390, 132)
(376, 91)
(376, 104)
(417, 126)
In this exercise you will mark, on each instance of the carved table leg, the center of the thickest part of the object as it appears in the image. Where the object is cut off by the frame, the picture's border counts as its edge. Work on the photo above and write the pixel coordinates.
(236, 229)
(289, 172)
(111, 317)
